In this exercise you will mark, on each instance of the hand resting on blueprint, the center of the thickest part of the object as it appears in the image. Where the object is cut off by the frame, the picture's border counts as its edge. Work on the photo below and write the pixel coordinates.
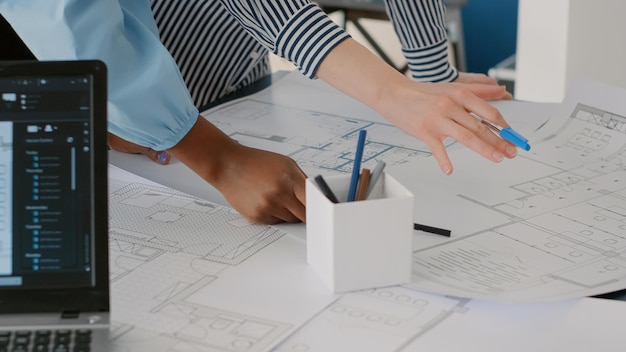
(264, 187)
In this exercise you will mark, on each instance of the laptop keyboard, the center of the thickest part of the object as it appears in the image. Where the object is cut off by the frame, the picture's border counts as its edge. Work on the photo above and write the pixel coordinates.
(45, 340)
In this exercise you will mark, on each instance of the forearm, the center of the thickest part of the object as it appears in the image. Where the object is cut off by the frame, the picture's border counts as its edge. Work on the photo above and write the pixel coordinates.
(264, 187)
(206, 150)
(431, 112)
(354, 70)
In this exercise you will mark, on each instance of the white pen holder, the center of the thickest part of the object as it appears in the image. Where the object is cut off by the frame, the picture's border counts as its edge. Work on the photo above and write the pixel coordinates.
(361, 244)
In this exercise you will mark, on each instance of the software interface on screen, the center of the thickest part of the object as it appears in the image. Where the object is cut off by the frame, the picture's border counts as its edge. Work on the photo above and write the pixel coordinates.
(45, 181)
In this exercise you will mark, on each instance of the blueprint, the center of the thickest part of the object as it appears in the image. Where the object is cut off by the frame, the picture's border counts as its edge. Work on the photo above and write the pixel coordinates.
(248, 288)
(547, 225)
(168, 296)
(191, 275)
(318, 142)
(309, 122)
(164, 247)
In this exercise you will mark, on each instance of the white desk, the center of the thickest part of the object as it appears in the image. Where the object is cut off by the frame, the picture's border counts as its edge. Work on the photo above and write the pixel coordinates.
(164, 299)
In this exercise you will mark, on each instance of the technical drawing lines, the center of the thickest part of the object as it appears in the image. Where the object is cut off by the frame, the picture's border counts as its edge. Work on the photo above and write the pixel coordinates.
(172, 221)
(598, 130)
(600, 118)
(157, 298)
(557, 191)
(327, 145)
(618, 158)
(393, 318)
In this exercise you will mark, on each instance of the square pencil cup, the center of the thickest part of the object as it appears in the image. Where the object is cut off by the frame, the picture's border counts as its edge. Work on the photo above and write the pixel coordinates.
(361, 244)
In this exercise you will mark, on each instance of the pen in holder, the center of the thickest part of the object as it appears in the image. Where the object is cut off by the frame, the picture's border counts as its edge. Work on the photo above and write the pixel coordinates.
(363, 244)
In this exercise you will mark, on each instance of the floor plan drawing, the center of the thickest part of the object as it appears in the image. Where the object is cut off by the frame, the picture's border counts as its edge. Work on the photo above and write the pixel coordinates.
(548, 225)
(160, 266)
(562, 229)
(384, 319)
(163, 294)
(319, 142)
(177, 222)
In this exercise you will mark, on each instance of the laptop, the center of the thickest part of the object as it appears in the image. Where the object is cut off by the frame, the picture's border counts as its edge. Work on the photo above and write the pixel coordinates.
(54, 279)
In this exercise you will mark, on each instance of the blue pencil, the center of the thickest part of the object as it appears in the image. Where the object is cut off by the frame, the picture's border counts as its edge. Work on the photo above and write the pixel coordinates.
(356, 169)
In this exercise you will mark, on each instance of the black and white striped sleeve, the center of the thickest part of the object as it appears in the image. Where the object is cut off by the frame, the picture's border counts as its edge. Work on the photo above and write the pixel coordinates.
(297, 30)
(420, 26)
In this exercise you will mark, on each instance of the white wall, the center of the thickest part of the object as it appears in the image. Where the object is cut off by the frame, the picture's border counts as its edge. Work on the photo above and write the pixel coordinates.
(559, 40)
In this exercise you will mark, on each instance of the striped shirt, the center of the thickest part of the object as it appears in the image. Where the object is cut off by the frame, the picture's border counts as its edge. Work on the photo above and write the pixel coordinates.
(219, 45)
(222, 46)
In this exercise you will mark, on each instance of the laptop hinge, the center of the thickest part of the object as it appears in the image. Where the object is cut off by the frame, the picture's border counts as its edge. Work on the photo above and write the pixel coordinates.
(70, 314)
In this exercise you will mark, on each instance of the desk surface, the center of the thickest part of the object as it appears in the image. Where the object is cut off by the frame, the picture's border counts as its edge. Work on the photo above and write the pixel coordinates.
(217, 283)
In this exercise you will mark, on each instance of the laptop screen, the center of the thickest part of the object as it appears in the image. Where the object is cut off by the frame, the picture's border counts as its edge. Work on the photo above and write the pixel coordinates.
(52, 171)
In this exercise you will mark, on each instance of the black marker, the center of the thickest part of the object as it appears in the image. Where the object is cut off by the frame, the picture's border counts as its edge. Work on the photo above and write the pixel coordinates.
(325, 189)
(430, 229)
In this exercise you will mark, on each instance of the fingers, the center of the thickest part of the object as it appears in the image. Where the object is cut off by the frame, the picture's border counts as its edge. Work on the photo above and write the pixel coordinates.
(264, 187)
(489, 91)
(289, 209)
(487, 142)
(294, 205)
(297, 205)
(161, 157)
(483, 141)
(292, 211)
(439, 153)
(457, 105)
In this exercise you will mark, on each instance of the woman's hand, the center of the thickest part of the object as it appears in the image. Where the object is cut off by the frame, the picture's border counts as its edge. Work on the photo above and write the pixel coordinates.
(264, 187)
(434, 111)
(428, 111)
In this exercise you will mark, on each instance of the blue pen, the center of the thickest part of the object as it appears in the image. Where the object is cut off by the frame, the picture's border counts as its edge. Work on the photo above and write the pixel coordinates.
(507, 133)
(356, 168)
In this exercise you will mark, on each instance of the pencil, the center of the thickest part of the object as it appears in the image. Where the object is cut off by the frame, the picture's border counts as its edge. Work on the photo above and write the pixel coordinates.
(364, 180)
(356, 168)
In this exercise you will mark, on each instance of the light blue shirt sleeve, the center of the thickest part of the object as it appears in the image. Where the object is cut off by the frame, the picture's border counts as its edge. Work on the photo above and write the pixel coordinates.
(148, 101)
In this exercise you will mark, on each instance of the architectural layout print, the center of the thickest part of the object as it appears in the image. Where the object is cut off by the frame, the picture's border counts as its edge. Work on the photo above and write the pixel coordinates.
(548, 225)
(566, 226)
(318, 142)
(165, 220)
(158, 279)
(383, 319)
(166, 245)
